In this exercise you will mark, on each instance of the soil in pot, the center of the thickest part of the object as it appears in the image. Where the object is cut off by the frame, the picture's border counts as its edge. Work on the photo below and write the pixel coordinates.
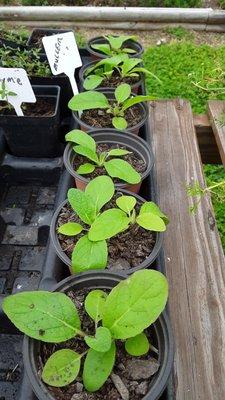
(44, 107)
(137, 163)
(131, 375)
(126, 250)
(116, 79)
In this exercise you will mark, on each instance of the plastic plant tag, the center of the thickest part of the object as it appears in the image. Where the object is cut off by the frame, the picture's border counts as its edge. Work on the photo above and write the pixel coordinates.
(15, 88)
(63, 55)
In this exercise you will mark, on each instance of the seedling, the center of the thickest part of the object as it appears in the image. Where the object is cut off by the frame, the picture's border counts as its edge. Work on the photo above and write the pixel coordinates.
(90, 251)
(115, 167)
(197, 192)
(4, 93)
(117, 108)
(122, 315)
(123, 65)
(115, 45)
(20, 35)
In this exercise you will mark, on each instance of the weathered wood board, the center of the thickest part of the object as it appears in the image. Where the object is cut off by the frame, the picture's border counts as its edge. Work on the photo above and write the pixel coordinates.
(216, 108)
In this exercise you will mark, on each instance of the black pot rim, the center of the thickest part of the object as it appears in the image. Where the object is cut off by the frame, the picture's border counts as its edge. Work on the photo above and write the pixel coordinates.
(101, 55)
(121, 137)
(161, 325)
(66, 260)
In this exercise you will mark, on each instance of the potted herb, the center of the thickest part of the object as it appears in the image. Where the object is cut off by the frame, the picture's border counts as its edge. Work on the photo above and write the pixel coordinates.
(111, 72)
(118, 109)
(36, 133)
(103, 344)
(101, 227)
(126, 157)
(108, 46)
(15, 38)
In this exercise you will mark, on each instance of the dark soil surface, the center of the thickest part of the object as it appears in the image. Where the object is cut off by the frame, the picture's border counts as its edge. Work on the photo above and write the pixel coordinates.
(126, 250)
(133, 159)
(116, 79)
(44, 107)
(137, 386)
(100, 119)
(37, 38)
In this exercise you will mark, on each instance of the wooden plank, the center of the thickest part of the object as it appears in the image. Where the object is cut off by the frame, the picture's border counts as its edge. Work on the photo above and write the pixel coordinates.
(216, 108)
(206, 140)
(194, 260)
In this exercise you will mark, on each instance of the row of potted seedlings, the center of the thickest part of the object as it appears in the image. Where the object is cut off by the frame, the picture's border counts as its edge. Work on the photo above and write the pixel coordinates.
(102, 333)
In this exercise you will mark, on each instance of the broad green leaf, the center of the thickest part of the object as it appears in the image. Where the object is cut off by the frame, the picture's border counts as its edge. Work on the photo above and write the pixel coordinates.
(126, 203)
(104, 48)
(129, 64)
(86, 168)
(100, 190)
(108, 224)
(116, 42)
(119, 123)
(82, 204)
(61, 368)
(128, 50)
(46, 316)
(118, 152)
(70, 229)
(102, 340)
(97, 368)
(135, 100)
(121, 169)
(81, 138)
(86, 152)
(151, 222)
(94, 304)
(137, 345)
(146, 72)
(150, 206)
(135, 303)
(88, 101)
(89, 255)
(92, 81)
(122, 92)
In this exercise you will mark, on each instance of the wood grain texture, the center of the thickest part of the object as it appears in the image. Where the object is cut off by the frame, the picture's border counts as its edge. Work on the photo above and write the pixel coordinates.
(215, 109)
(195, 264)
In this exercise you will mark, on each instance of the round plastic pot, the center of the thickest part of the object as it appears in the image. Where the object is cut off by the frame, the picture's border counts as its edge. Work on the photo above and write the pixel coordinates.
(161, 330)
(135, 87)
(113, 137)
(110, 95)
(96, 55)
(66, 260)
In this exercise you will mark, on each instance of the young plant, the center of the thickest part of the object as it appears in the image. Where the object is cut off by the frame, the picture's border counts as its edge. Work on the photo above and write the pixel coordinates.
(115, 45)
(117, 108)
(123, 65)
(122, 315)
(4, 93)
(115, 167)
(197, 192)
(20, 35)
(90, 251)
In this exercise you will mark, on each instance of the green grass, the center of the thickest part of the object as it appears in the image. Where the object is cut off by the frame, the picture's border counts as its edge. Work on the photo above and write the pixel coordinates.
(180, 33)
(181, 65)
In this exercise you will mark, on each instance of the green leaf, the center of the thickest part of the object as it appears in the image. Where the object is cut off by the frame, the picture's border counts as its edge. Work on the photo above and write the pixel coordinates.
(92, 81)
(89, 255)
(122, 92)
(86, 168)
(70, 229)
(128, 50)
(50, 317)
(116, 42)
(61, 368)
(135, 100)
(151, 222)
(102, 340)
(129, 64)
(108, 224)
(100, 190)
(94, 304)
(137, 345)
(88, 101)
(81, 138)
(121, 169)
(119, 123)
(82, 204)
(126, 203)
(135, 303)
(104, 48)
(146, 72)
(151, 207)
(86, 152)
(118, 152)
(97, 368)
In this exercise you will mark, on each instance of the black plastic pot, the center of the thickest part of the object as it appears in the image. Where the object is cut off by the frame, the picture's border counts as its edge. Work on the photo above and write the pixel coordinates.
(104, 280)
(100, 40)
(113, 137)
(43, 32)
(135, 87)
(66, 260)
(34, 136)
(110, 95)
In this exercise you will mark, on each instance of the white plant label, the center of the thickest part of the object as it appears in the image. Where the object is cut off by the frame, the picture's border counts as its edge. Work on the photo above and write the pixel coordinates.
(63, 55)
(16, 81)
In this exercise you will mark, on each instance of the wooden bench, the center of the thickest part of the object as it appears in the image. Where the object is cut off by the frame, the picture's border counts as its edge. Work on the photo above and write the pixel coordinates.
(194, 259)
